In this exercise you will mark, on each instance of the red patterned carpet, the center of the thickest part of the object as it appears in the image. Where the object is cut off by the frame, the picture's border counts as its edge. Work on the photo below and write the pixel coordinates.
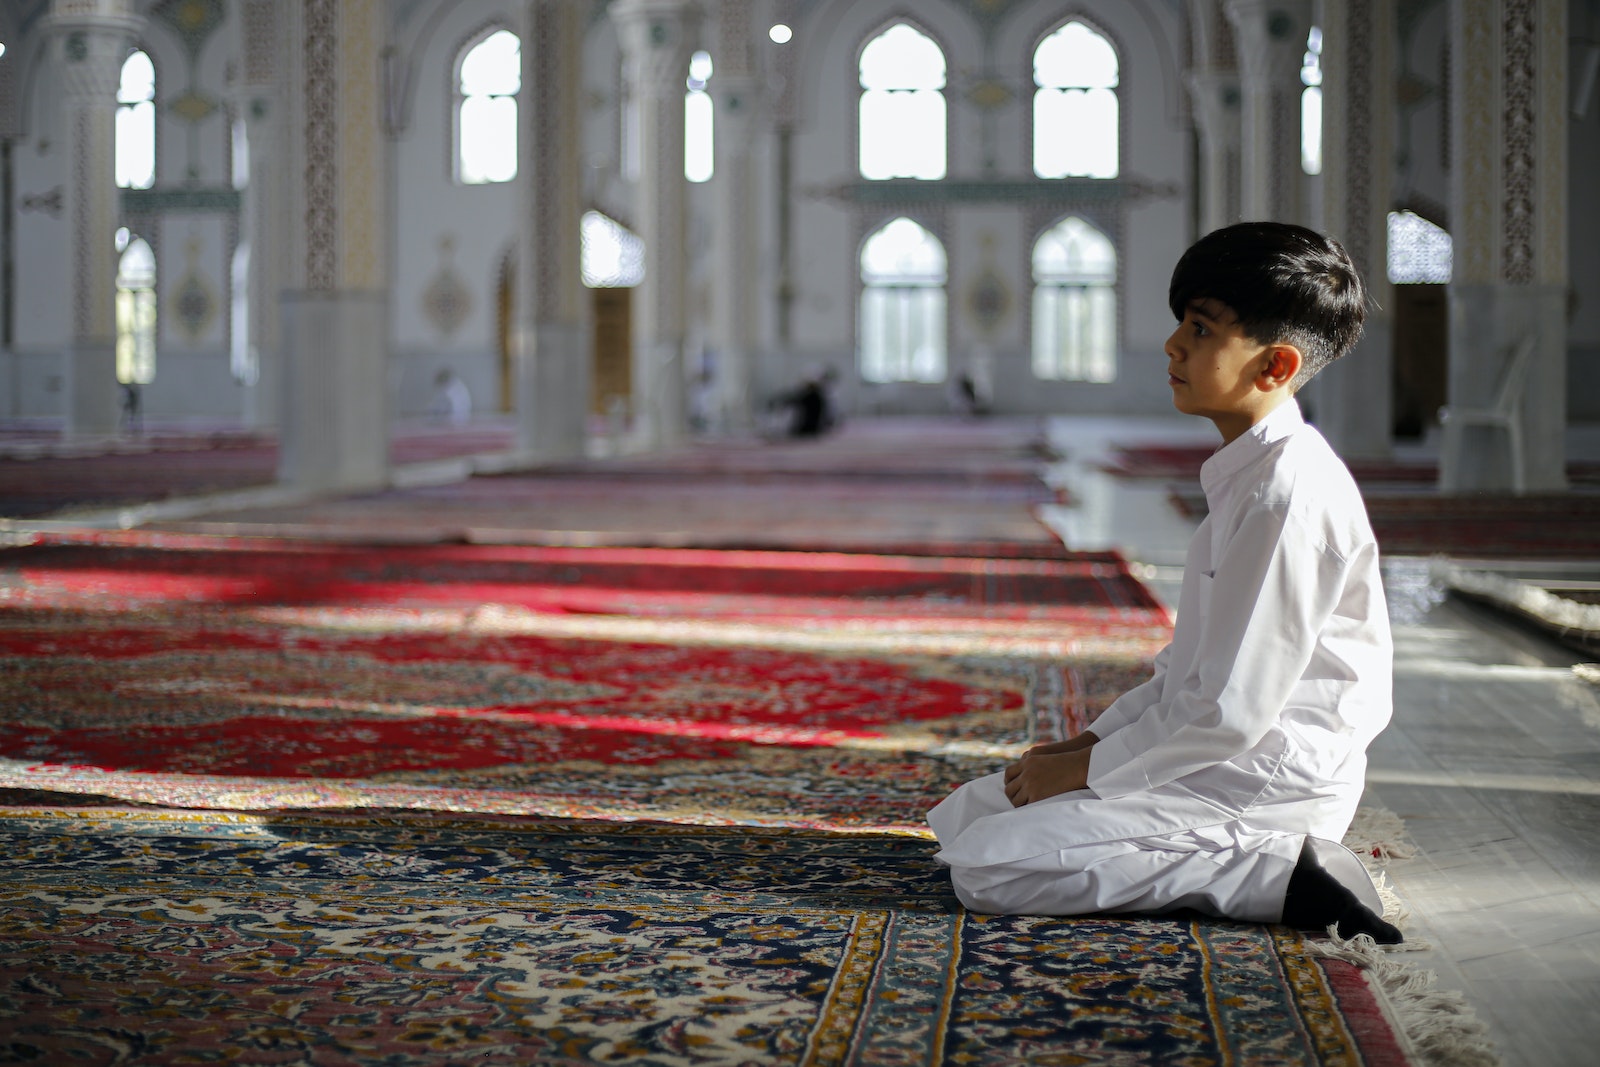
(778, 688)
(309, 800)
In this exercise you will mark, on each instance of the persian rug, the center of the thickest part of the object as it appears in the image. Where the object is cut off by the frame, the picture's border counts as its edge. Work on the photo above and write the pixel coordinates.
(160, 937)
(736, 688)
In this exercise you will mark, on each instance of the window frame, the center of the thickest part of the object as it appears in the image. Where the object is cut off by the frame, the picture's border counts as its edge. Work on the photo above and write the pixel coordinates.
(1109, 225)
(869, 229)
(877, 31)
(456, 98)
(155, 116)
(1123, 79)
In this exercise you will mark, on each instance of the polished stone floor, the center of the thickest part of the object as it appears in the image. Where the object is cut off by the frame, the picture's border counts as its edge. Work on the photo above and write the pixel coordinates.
(1492, 761)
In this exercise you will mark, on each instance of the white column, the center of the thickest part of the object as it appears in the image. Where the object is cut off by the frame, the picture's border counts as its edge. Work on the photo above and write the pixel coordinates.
(554, 377)
(658, 36)
(1271, 42)
(1508, 217)
(1215, 98)
(736, 89)
(259, 98)
(91, 40)
(335, 322)
(1354, 399)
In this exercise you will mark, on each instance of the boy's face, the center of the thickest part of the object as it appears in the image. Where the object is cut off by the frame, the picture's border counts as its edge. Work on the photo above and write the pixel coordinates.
(1216, 372)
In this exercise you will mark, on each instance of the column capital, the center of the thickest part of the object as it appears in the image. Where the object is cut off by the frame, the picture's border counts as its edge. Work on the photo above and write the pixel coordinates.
(1216, 98)
(94, 37)
(1271, 36)
(657, 38)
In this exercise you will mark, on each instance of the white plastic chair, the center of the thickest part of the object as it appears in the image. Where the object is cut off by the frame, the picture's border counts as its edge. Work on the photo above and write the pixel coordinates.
(1503, 411)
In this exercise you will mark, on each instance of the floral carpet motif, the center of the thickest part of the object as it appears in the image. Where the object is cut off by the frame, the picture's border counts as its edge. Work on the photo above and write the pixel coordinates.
(707, 687)
(161, 937)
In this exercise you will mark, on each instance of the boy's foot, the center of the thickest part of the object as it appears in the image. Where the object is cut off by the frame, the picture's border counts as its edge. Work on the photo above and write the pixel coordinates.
(1317, 900)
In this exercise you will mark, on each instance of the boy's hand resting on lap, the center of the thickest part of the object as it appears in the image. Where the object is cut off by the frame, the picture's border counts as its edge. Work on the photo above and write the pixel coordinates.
(1046, 770)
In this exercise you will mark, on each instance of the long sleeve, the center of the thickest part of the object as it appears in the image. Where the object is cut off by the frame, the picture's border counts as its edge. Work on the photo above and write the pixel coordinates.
(1261, 612)
(1135, 702)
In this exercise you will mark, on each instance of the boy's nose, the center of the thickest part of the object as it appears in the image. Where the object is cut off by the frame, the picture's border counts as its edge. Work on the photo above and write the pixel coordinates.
(1171, 348)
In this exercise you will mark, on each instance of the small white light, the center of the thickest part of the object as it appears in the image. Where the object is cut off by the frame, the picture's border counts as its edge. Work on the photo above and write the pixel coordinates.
(123, 237)
(2, 49)
(780, 34)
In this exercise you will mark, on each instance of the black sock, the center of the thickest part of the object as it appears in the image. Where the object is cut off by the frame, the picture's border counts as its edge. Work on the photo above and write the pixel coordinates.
(1316, 900)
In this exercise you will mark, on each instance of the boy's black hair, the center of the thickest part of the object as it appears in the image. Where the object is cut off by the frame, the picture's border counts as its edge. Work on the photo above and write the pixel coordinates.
(1287, 284)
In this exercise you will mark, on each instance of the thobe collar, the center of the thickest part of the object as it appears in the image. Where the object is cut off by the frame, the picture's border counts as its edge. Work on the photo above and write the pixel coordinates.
(1251, 445)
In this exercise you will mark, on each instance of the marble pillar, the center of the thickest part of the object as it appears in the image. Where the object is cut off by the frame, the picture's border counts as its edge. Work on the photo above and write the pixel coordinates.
(1270, 41)
(554, 376)
(1508, 213)
(258, 99)
(736, 90)
(658, 37)
(90, 41)
(1353, 400)
(334, 309)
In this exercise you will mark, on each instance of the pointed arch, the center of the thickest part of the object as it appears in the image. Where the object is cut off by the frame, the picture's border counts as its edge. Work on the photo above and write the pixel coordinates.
(487, 80)
(1074, 303)
(136, 313)
(135, 152)
(902, 129)
(902, 318)
(1076, 107)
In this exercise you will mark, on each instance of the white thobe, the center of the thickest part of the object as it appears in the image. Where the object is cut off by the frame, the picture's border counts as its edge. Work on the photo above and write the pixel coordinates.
(1251, 734)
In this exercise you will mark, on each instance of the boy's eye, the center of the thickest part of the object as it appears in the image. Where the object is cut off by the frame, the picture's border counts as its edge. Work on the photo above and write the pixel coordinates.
(1199, 328)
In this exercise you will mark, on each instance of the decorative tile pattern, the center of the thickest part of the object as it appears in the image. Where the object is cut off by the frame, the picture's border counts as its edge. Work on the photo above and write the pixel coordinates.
(321, 98)
(1519, 132)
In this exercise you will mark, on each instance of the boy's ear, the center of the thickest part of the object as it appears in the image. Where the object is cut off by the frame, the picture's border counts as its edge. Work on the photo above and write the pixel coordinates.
(1283, 363)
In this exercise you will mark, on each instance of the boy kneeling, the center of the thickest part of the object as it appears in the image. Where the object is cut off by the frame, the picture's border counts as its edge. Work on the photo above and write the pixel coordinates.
(1224, 783)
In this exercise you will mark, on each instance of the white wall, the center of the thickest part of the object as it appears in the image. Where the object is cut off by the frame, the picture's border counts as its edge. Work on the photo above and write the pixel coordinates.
(983, 237)
(432, 208)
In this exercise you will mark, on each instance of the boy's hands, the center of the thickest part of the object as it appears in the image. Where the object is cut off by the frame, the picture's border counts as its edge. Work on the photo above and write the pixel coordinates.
(1047, 770)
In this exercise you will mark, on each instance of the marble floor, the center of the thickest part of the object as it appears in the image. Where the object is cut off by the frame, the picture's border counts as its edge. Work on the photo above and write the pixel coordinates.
(1492, 761)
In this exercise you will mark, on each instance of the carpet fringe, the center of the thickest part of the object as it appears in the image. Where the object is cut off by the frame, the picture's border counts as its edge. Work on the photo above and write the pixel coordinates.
(1378, 834)
(1438, 1025)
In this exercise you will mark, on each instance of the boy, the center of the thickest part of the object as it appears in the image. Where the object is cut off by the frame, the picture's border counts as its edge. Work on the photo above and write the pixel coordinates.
(1224, 783)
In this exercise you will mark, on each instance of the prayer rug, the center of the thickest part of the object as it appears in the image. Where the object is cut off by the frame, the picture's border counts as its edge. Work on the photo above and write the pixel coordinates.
(160, 937)
(1482, 526)
(1182, 462)
(750, 688)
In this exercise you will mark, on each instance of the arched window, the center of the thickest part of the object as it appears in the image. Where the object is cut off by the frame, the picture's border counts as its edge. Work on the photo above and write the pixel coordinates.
(1074, 304)
(1311, 104)
(486, 112)
(902, 305)
(1075, 105)
(699, 119)
(1419, 251)
(136, 311)
(902, 131)
(135, 159)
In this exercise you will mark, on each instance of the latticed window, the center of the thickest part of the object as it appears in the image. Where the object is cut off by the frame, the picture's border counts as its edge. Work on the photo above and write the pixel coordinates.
(902, 327)
(136, 312)
(1419, 251)
(902, 131)
(612, 256)
(1074, 304)
(135, 157)
(486, 110)
(1075, 107)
